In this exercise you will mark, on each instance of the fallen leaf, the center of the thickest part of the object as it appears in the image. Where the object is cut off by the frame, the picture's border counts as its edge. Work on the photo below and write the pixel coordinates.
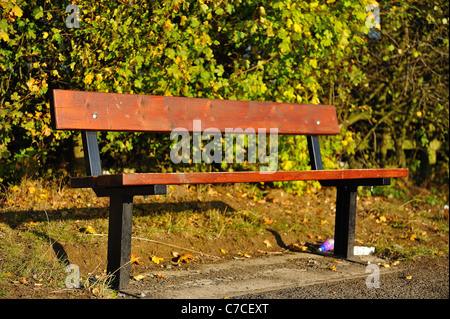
(286, 203)
(310, 235)
(175, 254)
(156, 260)
(31, 189)
(138, 277)
(332, 268)
(185, 258)
(297, 247)
(134, 259)
(267, 242)
(223, 251)
(408, 277)
(23, 281)
(212, 192)
(381, 219)
(88, 230)
(95, 290)
(413, 237)
(161, 276)
(268, 221)
(385, 265)
(43, 196)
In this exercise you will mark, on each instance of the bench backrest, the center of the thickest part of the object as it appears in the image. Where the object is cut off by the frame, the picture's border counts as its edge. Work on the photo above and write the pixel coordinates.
(78, 110)
(93, 111)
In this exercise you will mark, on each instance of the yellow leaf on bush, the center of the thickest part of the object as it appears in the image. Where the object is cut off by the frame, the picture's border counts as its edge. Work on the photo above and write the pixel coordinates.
(88, 79)
(4, 36)
(17, 11)
(156, 260)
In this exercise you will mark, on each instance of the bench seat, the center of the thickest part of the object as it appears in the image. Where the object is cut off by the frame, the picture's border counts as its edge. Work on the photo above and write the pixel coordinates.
(356, 176)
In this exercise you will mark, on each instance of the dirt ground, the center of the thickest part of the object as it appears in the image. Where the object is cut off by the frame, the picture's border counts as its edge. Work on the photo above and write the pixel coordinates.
(391, 225)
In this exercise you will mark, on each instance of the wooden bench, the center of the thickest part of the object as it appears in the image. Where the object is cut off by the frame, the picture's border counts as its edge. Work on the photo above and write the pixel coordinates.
(90, 112)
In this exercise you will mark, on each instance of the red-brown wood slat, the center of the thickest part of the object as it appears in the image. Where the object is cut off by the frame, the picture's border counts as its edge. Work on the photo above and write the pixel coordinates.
(120, 180)
(77, 110)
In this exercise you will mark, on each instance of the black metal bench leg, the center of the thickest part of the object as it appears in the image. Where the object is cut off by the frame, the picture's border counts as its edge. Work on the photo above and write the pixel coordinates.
(344, 233)
(119, 240)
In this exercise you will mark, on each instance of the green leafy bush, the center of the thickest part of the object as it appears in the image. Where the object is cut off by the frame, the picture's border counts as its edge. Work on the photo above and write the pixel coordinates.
(286, 51)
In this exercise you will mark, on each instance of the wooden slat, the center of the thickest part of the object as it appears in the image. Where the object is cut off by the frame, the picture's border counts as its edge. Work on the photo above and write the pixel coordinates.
(77, 110)
(230, 177)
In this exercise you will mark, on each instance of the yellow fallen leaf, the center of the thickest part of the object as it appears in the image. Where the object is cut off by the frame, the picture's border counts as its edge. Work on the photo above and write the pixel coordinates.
(381, 219)
(134, 259)
(408, 277)
(332, 268)
(413, 237)
(268, 221)
(156, 260)
(88, 230)
(223, 251)
(31, 189)
(267, 242)
(161, 276)
(138, 277)
(297, 247)
(185, 258)
(212, 192)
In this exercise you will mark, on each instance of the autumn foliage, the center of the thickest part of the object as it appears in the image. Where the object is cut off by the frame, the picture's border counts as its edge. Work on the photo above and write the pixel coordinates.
(391, 91)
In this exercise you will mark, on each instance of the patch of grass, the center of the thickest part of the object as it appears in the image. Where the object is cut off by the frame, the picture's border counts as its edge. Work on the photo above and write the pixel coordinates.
(26, 256)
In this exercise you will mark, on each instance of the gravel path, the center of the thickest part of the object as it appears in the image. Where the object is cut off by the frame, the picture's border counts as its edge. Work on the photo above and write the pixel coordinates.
(423, 279)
